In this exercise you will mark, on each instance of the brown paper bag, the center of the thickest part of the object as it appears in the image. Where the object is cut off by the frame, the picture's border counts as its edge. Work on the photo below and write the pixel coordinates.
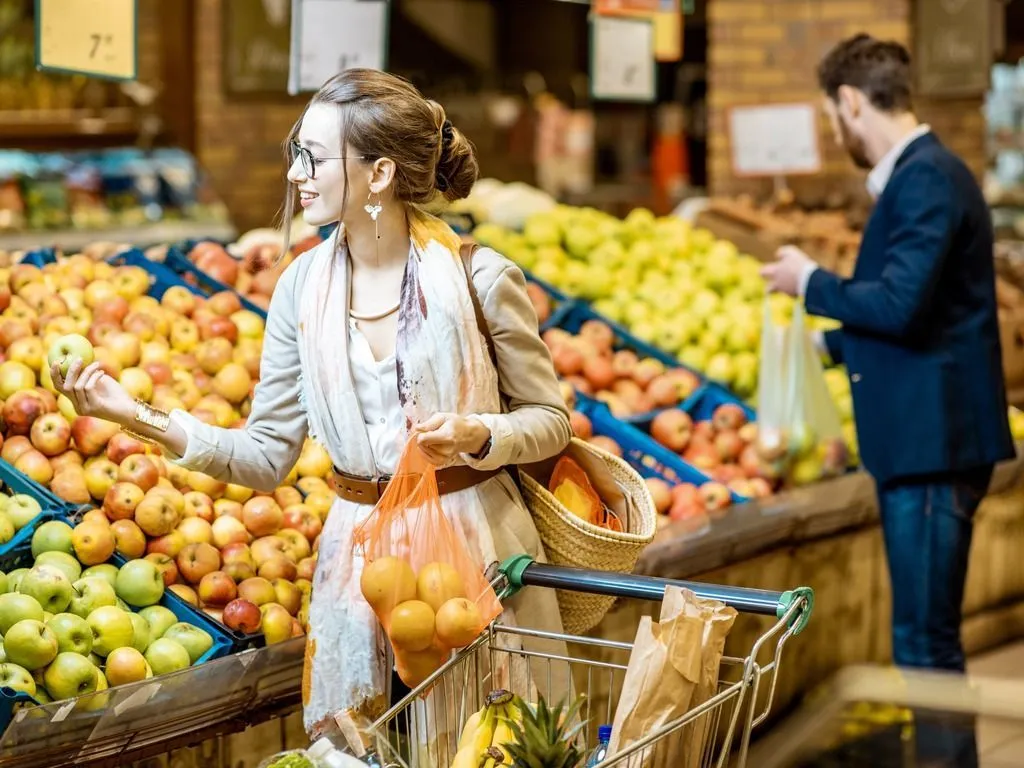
(667, 669)
(718, 620)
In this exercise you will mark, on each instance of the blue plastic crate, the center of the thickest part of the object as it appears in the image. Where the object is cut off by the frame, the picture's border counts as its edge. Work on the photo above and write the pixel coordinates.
(700, 405)
(178, 261)
(18, 483)
(644, 453)
(223, 643)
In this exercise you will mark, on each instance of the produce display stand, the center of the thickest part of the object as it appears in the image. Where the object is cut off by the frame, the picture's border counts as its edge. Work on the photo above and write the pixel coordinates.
(461, 685)
(872, 717)
(114, 727)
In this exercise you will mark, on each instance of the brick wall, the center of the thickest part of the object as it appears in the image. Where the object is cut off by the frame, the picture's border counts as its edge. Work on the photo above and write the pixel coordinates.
(763, 52)
(238, 143)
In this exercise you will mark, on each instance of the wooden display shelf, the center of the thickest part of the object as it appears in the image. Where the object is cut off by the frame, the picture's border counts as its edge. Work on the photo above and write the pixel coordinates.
(49, 124)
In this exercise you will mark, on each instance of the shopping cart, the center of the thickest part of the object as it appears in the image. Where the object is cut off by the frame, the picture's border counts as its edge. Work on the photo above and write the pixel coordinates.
(460, 687)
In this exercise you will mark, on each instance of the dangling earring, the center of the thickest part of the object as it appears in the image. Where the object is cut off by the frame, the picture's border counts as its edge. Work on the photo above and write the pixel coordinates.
(374, 211)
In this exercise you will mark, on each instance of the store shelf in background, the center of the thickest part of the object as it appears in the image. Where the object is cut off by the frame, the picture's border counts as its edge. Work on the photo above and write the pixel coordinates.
(117, 122)
(159, 232)
(157, 715)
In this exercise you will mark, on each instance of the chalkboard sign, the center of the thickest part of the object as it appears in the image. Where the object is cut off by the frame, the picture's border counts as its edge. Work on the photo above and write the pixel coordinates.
(256, 37)
(953, 47)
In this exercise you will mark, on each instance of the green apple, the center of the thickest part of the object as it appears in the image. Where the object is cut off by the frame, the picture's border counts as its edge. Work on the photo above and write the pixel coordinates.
(70, 675)
(96, 660)
(66, 349)
(90, 593)
(22, 509)
(14, 578)
(111, 628)
(73, 633)
(106, 571)
(18, 678)
(194, 640)
(159, 618)
(141, 627)
(30, 644)
(62, 561)
(140, 583)
(3, 583)
(52, 536)
(42, 696)
(3, 653)
(165, 656)
(6, 528)
(49, 586)
(15, 607)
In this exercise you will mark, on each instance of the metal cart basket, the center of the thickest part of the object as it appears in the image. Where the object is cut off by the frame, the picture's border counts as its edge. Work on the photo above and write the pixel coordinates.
(459, 688)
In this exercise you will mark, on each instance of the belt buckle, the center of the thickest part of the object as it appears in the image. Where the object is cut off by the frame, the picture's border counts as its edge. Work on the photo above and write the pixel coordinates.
(381, 483)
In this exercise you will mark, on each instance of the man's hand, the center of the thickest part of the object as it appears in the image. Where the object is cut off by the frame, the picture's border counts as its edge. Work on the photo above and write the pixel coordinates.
(789, 274)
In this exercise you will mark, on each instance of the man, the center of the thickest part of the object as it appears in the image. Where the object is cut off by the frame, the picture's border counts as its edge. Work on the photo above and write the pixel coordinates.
(919, 338)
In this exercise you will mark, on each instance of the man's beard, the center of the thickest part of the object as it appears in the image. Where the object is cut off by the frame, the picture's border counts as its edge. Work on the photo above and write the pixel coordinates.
(854, 146)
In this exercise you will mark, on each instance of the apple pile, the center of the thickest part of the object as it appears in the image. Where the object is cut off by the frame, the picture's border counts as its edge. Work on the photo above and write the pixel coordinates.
(627, 384)
(16, 511)
(73, 624)
(675, 286)
(688, 503)
(254, 275)
(722, 447)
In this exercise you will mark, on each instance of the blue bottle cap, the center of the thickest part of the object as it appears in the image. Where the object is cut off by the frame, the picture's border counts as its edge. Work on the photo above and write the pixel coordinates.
(604, 733)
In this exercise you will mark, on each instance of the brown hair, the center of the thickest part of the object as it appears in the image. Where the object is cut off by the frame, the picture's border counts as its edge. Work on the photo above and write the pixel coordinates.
(878, 68)
(383, 115)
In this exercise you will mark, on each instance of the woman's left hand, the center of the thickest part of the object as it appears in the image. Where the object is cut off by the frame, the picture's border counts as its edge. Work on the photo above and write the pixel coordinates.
(444, 436)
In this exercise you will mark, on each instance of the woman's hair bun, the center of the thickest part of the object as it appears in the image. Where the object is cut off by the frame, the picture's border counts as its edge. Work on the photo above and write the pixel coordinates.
(457, 168)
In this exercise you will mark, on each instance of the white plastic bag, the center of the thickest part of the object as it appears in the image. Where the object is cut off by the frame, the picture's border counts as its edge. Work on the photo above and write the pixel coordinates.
(800, 436)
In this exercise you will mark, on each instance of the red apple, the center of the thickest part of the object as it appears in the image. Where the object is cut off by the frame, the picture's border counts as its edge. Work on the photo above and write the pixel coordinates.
(140, 470)
(121, 446)
(242, 616)
(302, 519)
(186, 593)
(715, 496)
(51, 434)
(581, 426)
(606, 444)
(170, 545)
(673, 429)
(91, 435)
(257, 590)
(728, 416)
(217, 589)
(129, 539)
(262, 516)
(728, 445)
(661, 492)
(166, 565)
(197, 560)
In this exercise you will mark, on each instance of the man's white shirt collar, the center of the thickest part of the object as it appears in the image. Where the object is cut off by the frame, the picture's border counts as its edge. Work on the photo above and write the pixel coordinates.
(881, 173)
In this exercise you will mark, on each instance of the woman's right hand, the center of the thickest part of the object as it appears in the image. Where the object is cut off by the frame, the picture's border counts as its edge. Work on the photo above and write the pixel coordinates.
(94, 393)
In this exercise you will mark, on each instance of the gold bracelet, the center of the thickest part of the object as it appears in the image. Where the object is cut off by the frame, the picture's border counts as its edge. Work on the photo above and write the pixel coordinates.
(151, 417)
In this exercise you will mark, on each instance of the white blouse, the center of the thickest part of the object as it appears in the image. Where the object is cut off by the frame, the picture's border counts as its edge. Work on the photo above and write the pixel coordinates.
(376, 385)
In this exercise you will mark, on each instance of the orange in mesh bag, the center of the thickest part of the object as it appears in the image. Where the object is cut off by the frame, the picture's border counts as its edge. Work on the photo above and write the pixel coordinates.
(425, 587)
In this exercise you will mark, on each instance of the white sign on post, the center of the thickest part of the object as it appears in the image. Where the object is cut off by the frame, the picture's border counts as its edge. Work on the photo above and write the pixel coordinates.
(330, 36)
(774, 140)
(622, 64)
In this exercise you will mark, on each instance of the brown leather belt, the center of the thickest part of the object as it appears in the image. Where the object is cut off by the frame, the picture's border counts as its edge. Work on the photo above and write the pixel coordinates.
(362, 490)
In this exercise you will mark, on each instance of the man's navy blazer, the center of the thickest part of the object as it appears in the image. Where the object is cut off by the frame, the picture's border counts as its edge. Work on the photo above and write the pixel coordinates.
(920, 333)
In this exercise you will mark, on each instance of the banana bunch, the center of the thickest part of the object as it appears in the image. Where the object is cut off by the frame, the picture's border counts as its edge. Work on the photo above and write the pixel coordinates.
(487, 733)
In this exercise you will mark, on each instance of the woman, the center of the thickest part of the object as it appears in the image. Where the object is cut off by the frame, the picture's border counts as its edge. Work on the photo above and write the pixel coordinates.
(366, 152)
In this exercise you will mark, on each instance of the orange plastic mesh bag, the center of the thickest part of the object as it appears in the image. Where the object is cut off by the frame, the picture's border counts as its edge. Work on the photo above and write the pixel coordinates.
(419, 577)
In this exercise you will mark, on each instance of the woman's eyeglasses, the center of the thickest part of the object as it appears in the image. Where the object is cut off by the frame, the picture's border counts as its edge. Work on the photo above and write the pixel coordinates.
(311, 161)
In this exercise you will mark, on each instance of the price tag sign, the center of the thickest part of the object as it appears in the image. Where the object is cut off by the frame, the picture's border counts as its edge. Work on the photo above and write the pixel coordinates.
(774, 140)
(622, 66)
(330, 36)
(91, 37)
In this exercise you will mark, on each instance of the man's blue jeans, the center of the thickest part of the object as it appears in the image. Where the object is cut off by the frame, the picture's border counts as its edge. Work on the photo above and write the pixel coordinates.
(928, 527)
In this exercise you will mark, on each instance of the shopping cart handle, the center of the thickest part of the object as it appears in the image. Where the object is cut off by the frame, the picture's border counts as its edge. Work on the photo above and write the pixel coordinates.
(522, 571)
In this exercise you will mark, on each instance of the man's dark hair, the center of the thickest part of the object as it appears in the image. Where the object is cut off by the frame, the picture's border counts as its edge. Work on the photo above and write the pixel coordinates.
(880, 69)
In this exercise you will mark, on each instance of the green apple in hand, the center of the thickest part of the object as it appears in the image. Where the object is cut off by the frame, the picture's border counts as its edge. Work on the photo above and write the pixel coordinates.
(70, 675)
(16, 607)
(30, 644)
(49, 586)
(165, 656)
(160, 619)
(18, 678)
(65, 350)
(74, 635)
(194, 640)
(111, 628)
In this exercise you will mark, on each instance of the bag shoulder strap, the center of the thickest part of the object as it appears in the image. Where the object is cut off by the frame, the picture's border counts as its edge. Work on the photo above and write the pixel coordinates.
(466, 253)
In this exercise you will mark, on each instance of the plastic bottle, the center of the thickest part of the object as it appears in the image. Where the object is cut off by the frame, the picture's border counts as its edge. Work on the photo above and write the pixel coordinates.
(604, 736)
(325, 755)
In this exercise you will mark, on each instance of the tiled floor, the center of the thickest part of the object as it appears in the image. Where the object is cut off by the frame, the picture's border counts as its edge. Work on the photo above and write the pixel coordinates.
(1000, 743)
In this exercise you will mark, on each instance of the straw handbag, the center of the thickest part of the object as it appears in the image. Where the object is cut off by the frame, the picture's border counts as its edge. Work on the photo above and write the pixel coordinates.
(568, 539)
